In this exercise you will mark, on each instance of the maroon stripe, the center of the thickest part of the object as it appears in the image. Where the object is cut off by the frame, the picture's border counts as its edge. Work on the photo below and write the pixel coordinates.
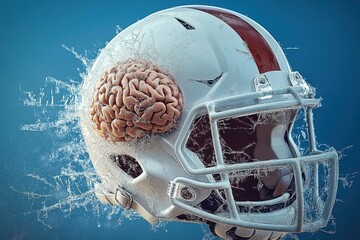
(263, 55)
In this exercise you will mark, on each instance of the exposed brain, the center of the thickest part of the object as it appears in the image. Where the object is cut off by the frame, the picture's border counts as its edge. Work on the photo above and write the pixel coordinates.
(134, 99)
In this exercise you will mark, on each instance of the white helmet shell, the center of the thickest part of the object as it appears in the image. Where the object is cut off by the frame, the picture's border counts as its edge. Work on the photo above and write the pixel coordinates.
(226, 67)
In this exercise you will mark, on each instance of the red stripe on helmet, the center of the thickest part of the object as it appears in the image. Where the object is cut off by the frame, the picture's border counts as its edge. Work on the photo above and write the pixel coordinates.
(259, 48)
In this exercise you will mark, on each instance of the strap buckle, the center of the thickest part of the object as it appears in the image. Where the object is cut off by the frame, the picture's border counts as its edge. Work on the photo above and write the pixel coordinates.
(123, 197)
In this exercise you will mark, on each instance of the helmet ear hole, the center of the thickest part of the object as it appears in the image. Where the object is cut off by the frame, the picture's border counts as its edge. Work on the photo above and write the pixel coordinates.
(127, 164)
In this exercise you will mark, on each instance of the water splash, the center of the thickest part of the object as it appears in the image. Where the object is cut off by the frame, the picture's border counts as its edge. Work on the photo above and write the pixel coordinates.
(291, 48)
(347, 179)
(56, 108)
(118, 29)
(71, 189)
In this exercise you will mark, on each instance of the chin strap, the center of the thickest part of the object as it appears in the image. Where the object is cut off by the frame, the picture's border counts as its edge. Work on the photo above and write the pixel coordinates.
(227, 232)
(121, 197)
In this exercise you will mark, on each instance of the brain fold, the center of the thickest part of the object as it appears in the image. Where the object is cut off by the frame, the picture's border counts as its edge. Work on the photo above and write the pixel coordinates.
(133, 100)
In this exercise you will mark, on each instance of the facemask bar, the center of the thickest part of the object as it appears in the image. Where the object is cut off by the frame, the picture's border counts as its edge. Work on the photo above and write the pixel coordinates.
(236, 218)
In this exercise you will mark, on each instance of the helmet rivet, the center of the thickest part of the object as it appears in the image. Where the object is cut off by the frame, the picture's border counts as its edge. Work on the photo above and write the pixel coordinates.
(187, 193)
(262, 80)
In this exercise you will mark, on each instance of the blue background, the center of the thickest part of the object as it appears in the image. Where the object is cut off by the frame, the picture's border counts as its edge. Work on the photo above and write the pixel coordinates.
(326, 37)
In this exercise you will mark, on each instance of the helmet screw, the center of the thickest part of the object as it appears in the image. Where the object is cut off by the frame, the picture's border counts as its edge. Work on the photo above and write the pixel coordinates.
(262, 80)
(187, 193)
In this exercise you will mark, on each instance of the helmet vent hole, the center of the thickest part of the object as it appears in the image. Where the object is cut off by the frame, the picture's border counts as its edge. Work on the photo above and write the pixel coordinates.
(185, 24)
(128, 164)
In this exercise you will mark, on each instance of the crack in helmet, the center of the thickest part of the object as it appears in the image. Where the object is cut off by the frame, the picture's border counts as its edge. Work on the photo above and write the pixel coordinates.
(188, 115)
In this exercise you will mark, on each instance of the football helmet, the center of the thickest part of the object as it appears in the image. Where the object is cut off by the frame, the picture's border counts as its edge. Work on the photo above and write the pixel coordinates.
(189, 115)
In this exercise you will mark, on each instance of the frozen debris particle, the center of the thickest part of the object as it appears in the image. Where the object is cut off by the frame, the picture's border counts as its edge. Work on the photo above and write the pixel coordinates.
(134, 99)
